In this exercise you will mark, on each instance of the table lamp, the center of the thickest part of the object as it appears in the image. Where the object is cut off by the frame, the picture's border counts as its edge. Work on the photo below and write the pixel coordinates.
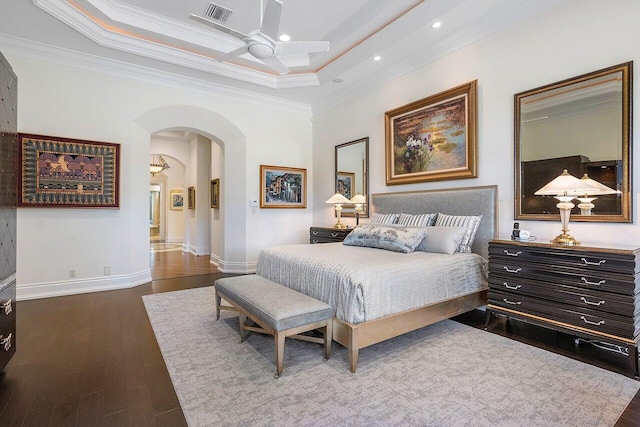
(358, 200)
(586, 199)
(565, 188)
(338, 200)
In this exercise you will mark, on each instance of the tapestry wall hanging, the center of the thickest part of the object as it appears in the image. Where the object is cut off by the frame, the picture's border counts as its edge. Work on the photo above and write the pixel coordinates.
(434, 138)
(64, 172)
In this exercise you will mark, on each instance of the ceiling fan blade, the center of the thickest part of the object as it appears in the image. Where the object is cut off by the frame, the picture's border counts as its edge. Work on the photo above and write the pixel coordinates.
(276, 64)
(271, 20)
(218, 27)
(298, 48)
(234, 53)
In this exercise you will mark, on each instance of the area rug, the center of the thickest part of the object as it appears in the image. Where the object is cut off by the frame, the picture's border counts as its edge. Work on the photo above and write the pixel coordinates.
(165, 247)
(446, 374)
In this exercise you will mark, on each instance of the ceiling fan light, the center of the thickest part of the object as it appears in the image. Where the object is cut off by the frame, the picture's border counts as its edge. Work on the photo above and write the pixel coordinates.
(260, 50)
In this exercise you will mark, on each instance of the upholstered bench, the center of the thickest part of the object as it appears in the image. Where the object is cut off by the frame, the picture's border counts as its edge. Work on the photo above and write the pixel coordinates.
(278, 310)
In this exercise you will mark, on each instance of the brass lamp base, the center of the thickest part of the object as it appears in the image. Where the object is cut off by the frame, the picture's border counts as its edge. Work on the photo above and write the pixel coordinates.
(339, 225)
(565, 239)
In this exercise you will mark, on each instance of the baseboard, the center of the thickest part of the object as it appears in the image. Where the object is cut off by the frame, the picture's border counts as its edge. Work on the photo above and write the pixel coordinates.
(195, 250)
(81, 286)
(233, 267)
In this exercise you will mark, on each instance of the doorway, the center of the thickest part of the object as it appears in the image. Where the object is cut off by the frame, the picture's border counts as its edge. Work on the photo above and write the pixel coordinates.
(154, 213)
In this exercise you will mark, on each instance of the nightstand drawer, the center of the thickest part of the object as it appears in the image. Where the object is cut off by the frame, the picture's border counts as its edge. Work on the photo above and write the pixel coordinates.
(327, 234)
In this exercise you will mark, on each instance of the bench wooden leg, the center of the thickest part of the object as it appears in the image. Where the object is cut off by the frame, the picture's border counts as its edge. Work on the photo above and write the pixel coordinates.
(328, 337)
(279, 339)
(243, 324)
(218, 302)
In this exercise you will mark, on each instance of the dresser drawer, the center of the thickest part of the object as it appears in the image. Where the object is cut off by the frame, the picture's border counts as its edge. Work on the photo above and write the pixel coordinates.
(7, 304)
(593, 320)
(327, 235)
(624, 305)
(7, 343)
(609, 262)
(584, 278)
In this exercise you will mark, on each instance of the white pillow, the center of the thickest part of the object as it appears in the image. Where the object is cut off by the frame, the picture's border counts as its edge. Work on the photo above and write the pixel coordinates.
(442, 240)
(420, 220)
(379, 218)
(470, 223)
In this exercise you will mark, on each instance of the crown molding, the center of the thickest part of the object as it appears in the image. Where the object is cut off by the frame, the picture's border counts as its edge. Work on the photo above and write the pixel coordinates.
(68, 58)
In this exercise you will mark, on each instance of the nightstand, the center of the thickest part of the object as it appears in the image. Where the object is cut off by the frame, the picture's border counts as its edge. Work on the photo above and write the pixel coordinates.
(327, 234)
(590, 292)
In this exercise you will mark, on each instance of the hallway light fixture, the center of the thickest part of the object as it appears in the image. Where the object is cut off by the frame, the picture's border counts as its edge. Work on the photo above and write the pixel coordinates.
(157, 164)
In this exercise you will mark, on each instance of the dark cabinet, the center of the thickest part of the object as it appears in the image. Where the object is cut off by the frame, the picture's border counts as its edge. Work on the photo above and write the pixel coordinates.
(327, 234)
(590, 292)
(8, 213)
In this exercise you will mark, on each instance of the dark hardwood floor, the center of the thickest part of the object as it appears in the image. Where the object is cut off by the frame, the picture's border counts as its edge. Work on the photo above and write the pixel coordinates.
(92, 359)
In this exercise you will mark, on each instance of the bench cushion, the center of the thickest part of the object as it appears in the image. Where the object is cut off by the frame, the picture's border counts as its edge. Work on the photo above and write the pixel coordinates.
(279, 307)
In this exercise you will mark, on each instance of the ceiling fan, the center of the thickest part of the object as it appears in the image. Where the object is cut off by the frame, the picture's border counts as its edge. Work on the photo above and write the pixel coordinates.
(262, 43)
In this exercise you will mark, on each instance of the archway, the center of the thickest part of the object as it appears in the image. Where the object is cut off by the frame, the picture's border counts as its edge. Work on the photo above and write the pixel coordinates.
(232, 256)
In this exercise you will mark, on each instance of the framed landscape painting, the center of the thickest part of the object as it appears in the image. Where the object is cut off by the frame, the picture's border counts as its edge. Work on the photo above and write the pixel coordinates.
(215, 193)
(346, 184)
(283, 187)
(434, 138)
(191, 198)
(176, 200)
(63, 172)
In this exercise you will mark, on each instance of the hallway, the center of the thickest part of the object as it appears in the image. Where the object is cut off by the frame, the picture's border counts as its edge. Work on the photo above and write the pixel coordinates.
(172, 264)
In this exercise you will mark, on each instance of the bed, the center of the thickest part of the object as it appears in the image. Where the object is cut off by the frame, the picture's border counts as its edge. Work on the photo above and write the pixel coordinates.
(379, 294)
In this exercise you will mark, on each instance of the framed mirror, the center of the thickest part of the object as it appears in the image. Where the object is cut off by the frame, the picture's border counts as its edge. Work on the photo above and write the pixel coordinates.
(352, 174)
(582, 124)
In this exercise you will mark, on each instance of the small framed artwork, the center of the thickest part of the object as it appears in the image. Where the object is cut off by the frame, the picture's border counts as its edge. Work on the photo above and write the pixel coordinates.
(434, 138)
(176, 200)
(65, 173)
(191, 198)
(215, 193)
(346, 184)
(283, 187)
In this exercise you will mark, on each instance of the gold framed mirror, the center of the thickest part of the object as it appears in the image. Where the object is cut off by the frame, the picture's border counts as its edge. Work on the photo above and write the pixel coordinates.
(352, 174)
(584, 125)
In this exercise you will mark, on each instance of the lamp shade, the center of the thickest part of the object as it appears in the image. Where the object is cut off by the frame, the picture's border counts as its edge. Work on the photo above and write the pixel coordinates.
(565, 185)
(338, 199)
(358, 198)
(598, 189)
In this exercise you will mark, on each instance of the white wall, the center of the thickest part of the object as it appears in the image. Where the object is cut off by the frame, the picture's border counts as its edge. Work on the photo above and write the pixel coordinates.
(570, 39)
(62, 101)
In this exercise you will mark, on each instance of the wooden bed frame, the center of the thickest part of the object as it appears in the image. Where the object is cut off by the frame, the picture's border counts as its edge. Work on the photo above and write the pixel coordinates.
(463, 201)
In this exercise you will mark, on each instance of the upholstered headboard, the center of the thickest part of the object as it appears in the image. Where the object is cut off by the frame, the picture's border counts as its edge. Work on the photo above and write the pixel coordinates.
(457, 201)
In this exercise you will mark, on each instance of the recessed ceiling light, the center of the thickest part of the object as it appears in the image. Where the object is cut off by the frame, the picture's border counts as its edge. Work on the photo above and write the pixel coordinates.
(377, 58)
(436, 24)
(284, 38)
(338, 80)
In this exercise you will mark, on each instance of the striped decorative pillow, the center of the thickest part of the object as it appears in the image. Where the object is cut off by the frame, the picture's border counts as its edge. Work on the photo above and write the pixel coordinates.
(379, 218)
(421, 220)
(470, 223)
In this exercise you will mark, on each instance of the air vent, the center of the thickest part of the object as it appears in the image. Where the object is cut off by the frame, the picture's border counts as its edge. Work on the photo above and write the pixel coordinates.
(217, 12)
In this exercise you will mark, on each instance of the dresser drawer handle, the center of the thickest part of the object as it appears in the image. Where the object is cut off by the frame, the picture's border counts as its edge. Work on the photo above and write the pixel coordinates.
(335, 234)
(602, 261)
(6, 306)
(512, 253)
(315, 241)
(592, 323)
(515, 288)
(599, 303)
(586, 282)
(517, 270)
(6, 342)
(511, 302)
(314, 232)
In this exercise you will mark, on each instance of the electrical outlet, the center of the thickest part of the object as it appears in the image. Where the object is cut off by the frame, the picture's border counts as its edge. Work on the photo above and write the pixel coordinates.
(107, 270)
(72, 273)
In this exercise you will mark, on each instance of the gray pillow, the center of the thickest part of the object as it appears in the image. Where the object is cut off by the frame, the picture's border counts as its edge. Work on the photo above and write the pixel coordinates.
(389, 237)
(442, 240)
(469, 222)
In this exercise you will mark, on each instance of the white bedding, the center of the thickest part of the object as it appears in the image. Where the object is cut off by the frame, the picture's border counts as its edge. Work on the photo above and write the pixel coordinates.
(365, 283)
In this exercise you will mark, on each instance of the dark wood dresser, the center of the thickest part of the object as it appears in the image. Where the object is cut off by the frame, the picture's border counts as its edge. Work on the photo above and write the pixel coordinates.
(590, 292)
(327, 234)
(8, 212)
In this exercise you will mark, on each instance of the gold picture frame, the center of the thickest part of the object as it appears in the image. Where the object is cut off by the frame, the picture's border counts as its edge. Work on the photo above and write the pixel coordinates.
(434, 138)
(283, 187)
(215, 193)
(191, 198)
(176, 200)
